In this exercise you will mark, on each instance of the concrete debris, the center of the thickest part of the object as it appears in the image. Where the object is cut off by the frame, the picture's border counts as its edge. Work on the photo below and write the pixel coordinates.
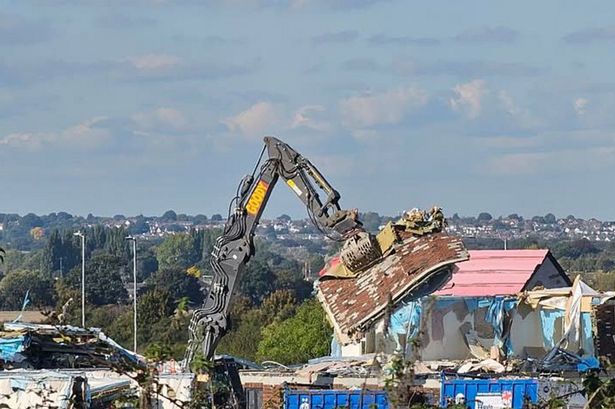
(488, 365)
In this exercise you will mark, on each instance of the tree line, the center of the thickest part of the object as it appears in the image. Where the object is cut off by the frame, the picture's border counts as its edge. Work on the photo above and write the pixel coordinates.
(272, 300)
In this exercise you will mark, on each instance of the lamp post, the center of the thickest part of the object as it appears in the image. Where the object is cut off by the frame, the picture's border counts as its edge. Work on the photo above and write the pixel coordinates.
(80, 234)
(134, 288)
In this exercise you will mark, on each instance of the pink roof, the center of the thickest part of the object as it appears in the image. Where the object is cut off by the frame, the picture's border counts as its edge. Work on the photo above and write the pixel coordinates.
(493, 272)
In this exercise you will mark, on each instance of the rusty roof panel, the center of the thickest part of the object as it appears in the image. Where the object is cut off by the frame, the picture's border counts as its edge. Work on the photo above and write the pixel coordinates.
(354, 303)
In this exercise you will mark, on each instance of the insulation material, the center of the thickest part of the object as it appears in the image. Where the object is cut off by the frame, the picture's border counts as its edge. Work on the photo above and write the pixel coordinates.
(177, 387)
(572, 319)
(24, 389)
(386, 238)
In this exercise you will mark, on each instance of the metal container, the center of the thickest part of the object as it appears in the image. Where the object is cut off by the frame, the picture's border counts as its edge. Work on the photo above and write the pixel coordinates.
(489, 393)
(332, 399)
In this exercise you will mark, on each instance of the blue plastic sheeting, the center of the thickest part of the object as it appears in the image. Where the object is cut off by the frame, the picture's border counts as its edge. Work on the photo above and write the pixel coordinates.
(332, 399)
(407, 320)
(495, 315)
(547, 318)
(336, 348)
(10, 346)
(469, 388)
(588, 363)
(587, 334)
(442, 303)
(471, 303)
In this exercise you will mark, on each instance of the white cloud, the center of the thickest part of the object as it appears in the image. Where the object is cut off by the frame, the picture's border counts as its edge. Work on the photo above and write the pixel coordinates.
(85, 135)
(389, 107)
(262, 117)
(307, 117)
(152, 62)
(468, 98)
(580, 104)
(559, 162)
(161, 117)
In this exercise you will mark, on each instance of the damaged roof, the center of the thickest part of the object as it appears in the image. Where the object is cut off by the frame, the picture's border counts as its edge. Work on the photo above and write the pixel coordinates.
(353, 304)
(495, 272)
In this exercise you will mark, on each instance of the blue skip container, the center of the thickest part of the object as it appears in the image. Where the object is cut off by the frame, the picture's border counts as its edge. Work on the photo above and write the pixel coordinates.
(512, 391)
(332, 399)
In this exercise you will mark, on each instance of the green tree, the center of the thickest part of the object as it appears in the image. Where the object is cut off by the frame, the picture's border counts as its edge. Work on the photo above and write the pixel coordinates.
(484, 217)
(177, 283)
(15, 285)
(550, 218)
(244, 338)
(293, 281)
(258, 281)
(280, 305)
(304, 336)
(169, 216)
(371, 221)
(139, 225)
(182, 250)
(60, 254)
(284, 218)
(103, 283)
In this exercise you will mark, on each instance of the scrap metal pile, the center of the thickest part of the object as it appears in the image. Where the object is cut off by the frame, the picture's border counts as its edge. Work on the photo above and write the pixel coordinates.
(34, 346)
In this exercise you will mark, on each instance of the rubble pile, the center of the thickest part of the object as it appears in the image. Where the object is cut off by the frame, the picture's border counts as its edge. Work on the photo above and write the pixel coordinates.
(38, 346)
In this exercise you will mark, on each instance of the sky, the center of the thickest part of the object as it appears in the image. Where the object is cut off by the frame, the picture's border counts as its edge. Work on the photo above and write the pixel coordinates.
(137, 107)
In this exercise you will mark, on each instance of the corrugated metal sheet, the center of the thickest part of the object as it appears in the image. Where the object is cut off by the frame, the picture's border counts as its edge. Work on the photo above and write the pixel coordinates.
(354, 303)
(494, 272)
(333, 399)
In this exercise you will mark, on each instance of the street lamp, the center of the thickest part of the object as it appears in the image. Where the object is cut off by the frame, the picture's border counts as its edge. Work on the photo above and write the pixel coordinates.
(134, 288)
(80, 234)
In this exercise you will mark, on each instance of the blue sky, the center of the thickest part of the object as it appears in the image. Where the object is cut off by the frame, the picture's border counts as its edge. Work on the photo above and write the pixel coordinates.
(142, 106)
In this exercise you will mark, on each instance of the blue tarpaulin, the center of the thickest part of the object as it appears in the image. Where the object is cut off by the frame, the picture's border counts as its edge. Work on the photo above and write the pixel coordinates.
(587, 339)
(548, 318)
(10, 346)
(495, 316)
(407, 319)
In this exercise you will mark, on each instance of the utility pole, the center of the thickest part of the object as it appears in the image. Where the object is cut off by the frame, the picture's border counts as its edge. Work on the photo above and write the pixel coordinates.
(134, 288)
(80, 234)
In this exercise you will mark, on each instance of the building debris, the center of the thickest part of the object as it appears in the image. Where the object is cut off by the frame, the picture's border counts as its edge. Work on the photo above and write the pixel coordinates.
(40, 346)
(417, 266)
(43, 389)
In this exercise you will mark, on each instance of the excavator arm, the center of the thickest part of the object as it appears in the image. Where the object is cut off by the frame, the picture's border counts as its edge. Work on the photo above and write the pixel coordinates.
(234, 248)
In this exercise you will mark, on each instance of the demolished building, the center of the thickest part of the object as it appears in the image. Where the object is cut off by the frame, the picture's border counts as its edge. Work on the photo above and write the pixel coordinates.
(498, 307)
(358, 307)
(70, 367)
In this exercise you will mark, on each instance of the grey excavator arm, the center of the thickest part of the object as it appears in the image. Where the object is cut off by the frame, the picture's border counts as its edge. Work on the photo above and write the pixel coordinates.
(234, 248)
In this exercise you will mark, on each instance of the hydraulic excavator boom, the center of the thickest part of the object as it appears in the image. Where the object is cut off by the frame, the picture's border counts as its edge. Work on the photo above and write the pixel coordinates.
(235, 247)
